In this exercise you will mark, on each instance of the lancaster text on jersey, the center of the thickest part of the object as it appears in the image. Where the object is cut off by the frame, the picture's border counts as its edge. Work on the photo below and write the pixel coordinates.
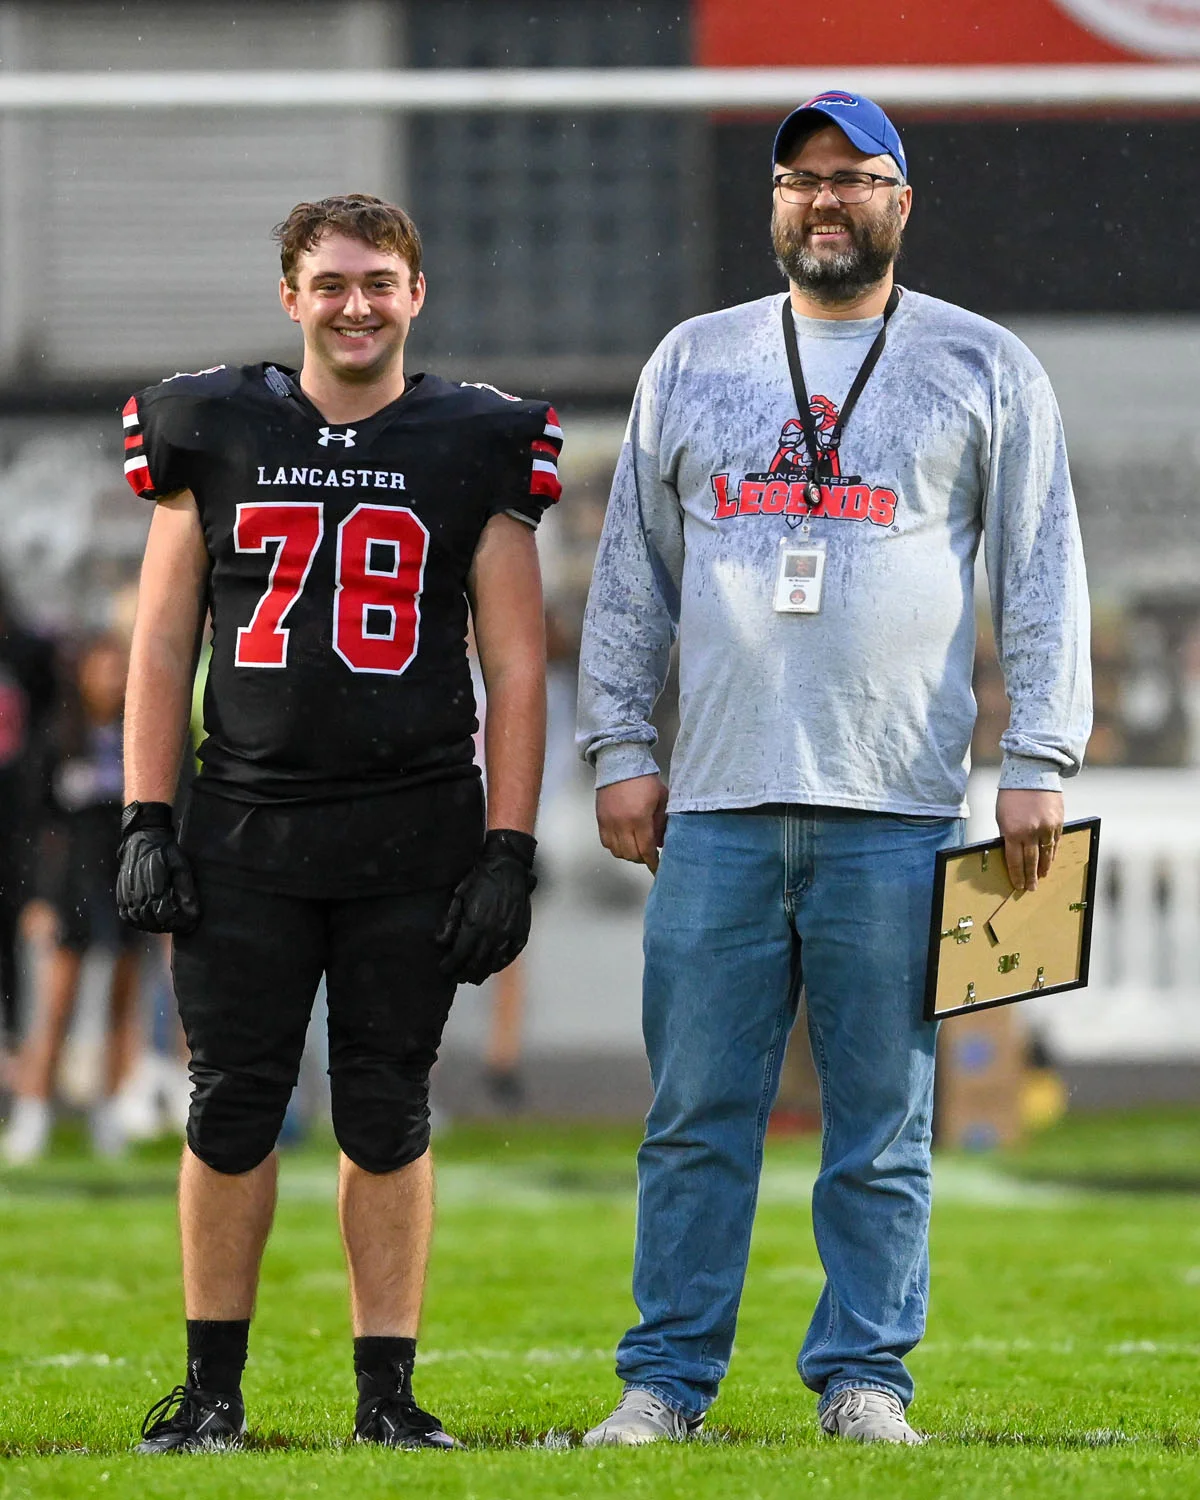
(334, 479)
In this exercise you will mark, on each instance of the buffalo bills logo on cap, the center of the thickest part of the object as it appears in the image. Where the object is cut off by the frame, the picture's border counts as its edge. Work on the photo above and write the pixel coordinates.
(861, 120)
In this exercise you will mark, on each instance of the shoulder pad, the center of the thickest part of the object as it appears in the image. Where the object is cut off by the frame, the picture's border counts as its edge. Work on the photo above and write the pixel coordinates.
(216, 380)
(161, 426)
(524, 414)
(482, 385)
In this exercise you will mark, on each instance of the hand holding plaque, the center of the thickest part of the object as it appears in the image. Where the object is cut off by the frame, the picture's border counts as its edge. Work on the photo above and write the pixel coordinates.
(992, 945)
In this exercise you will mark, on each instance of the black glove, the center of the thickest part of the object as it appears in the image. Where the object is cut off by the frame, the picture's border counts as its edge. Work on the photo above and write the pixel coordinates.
(488, 921)
(156, 890)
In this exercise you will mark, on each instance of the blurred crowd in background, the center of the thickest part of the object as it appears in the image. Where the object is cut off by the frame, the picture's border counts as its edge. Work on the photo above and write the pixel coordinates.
(61, 704)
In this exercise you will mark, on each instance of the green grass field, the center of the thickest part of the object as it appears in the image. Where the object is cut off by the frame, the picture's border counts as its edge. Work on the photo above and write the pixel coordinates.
(1063, 1355)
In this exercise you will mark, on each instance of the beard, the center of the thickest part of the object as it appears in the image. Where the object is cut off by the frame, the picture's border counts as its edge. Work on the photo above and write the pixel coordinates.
(845, 274)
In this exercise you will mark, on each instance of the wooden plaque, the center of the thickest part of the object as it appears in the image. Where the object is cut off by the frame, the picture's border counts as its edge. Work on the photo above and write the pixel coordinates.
(991, 945)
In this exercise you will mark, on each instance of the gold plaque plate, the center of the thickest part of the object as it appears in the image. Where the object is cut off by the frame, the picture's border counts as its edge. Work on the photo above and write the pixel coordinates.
(991, 945)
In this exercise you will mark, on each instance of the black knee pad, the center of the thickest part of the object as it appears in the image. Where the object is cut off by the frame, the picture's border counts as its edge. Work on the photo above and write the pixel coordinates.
(235, 1118)
(381, 1114)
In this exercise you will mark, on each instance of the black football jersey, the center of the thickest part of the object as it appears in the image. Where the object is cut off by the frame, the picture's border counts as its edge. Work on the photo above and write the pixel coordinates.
(339, 559)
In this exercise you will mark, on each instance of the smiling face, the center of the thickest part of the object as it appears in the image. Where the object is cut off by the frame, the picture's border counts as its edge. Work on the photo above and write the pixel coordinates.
(355, 305)
(834, 252)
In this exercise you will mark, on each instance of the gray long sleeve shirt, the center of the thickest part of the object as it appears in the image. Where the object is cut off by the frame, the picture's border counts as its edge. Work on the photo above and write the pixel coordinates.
(868, 703)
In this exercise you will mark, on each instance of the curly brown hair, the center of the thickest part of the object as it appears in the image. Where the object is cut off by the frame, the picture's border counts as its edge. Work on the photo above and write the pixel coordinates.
(361, 216)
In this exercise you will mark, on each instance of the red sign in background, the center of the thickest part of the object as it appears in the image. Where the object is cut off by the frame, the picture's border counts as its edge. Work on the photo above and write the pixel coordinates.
(840, 33)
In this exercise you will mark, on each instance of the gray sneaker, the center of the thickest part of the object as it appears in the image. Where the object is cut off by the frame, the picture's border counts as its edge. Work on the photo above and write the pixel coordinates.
(868, 1416)
(640, 1418)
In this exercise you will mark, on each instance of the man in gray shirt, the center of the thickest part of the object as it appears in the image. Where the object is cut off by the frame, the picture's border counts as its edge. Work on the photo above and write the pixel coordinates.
(803, 488)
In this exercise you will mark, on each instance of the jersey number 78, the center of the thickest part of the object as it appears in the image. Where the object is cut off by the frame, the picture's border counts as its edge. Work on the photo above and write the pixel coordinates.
(379, 577)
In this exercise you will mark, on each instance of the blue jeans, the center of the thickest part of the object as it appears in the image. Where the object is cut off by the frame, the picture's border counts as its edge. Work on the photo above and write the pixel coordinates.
(748, 906)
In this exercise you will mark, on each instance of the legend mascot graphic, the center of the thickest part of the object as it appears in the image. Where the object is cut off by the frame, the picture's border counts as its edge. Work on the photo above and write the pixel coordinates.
(794, 462)
(784, 488)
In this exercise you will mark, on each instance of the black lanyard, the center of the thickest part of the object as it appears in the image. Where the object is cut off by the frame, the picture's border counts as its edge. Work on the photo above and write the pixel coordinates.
(820, 469)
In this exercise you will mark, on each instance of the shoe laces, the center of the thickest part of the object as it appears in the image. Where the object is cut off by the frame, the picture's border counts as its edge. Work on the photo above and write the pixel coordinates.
(169, 1413)
(880, 1403)
(646, 1403)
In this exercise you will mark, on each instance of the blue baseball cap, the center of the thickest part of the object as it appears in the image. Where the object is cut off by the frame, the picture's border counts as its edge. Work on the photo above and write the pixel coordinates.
(861, 120)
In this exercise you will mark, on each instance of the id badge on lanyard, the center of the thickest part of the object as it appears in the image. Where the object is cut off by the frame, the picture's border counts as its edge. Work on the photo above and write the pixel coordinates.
(800, 572)
(800, 575)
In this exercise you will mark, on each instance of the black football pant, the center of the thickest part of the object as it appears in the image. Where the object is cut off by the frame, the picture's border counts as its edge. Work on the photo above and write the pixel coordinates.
(245, 981)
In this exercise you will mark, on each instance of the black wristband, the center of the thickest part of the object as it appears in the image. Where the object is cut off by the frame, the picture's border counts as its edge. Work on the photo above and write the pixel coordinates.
(522, 846)
(145, 815)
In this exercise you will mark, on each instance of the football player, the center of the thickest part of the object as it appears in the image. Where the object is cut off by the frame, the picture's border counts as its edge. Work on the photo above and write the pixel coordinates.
(337, 524)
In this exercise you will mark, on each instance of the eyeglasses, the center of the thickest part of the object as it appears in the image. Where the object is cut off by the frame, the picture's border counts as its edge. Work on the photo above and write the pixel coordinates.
(847, 187)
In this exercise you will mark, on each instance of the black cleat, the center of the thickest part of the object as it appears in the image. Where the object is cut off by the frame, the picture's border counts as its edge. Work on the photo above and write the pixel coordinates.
(191, 1421)
(396, 1421)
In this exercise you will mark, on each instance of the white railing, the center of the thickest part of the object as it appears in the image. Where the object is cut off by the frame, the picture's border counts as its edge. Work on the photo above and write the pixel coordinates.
(1143, 1000)
(1031, 88)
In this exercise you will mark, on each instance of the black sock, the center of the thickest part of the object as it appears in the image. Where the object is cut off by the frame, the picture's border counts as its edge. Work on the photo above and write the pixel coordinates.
(384, 1366)
(216, 1353)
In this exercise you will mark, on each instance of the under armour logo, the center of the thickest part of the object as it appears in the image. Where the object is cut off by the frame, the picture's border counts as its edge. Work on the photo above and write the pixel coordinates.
(329, 436)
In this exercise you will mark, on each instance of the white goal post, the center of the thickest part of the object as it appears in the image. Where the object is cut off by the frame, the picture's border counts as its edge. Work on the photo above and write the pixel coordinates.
(1033, 88)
